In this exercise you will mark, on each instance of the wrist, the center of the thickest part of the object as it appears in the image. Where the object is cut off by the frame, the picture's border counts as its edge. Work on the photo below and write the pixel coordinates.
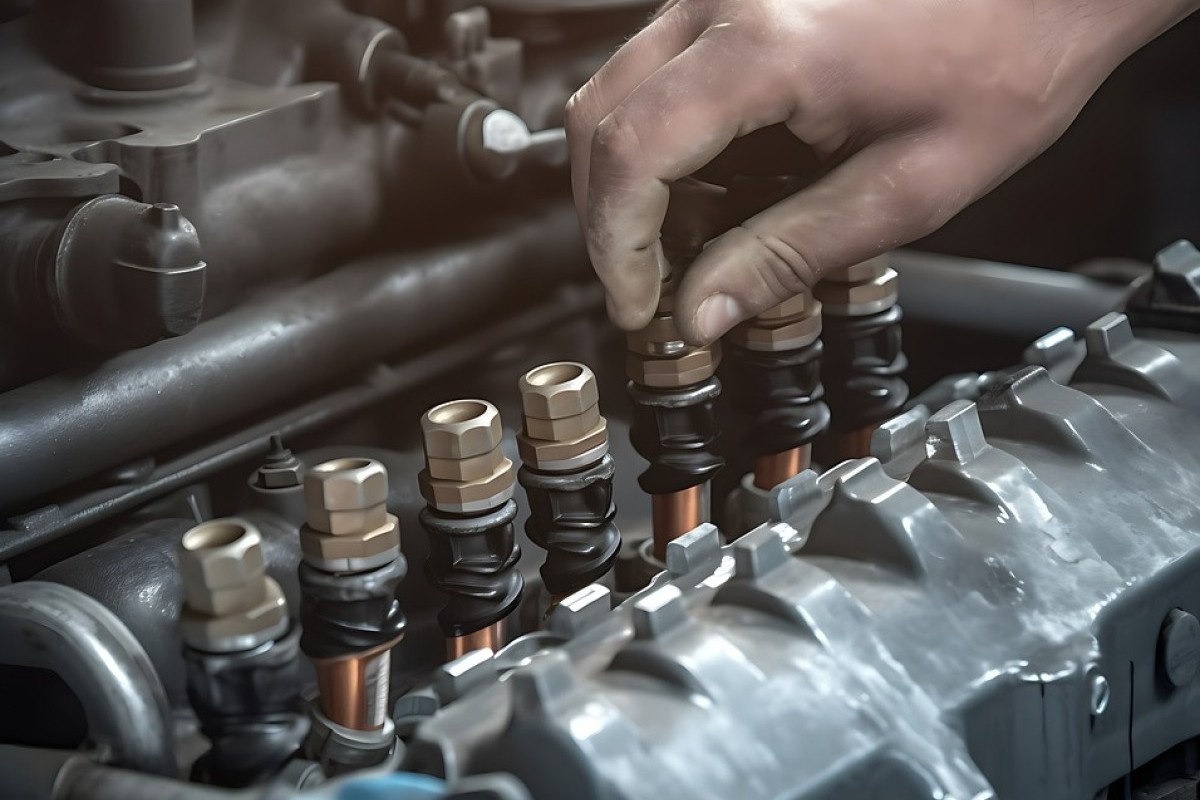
(1119, 28)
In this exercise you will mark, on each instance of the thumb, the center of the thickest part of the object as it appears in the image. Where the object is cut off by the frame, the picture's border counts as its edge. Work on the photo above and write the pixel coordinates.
(886, 195)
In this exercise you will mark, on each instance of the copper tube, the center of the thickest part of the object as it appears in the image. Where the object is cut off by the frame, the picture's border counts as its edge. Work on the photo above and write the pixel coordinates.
(675, 514)
(492, 637)
(774, 469)
(854, 444)
(354, 689)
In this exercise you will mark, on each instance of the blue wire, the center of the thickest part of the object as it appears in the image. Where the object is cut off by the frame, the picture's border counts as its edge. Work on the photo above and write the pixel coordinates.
(396, 786)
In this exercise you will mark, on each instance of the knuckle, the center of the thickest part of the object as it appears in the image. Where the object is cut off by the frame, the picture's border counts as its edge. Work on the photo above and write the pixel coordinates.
(784, 266)
(616, 138)
(574, 118)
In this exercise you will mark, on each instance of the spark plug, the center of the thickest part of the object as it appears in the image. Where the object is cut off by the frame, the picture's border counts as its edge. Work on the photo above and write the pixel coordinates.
(240, 654)
(468, 485)
(350, 571)
(864, 362)
(567, 475)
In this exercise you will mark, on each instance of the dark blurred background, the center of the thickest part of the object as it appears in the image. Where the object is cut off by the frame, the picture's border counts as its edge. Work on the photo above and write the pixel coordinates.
(1123, 181)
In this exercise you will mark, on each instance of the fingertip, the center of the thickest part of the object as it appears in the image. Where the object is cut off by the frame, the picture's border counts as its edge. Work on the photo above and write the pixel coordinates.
(718, 291)
(628, 316)
(713, 318)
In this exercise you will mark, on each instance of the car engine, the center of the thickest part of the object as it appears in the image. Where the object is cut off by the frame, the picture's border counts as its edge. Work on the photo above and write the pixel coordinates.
(324, 475)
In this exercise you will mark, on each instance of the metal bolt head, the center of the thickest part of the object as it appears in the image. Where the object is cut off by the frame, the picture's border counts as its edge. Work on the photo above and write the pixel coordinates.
(1179, 647)
(470, 497)
(803, 304)
(353, 552)
(559, 430)
(863, 272)
(778, 336)
(346, 495)
(555, 391)
(565, 454)
(222, 566)
(346, 484)
(859, 299)
(674, 373)
(660, 337)
(243, 629)
(461, 429)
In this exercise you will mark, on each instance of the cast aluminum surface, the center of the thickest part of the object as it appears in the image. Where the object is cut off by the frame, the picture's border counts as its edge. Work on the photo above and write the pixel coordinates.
(991, 627)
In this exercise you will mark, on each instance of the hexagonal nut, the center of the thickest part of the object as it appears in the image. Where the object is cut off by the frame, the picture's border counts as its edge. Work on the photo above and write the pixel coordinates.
(465, 469)
(673, 373)
(773, 339)
(863, 272)
(554, 391)
(558, 430)
(240, 630)
(346, 484)
(357, 551)
(803, 304)
(470, 497)
(570, 454)
(852, 299)
(221, 563)
(283, 475)
(349, 522)
(461, 429)
(660, 337)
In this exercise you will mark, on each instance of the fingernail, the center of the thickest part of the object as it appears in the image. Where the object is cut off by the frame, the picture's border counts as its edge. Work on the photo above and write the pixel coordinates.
(716, 315)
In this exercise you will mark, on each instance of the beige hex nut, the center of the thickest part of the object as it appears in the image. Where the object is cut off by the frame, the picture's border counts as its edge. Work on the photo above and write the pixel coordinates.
(660, 337)
(777, 338)
(243, 629)
(863, 272)
(563, 455)
(358, 551)
(345, 523)
(557, 430)
(673, 373)
(803, 304)
(346, 494)
(221, 562)
(465, 469)
(461, 429)
(469, 497)
(554, 391)
(860, 298)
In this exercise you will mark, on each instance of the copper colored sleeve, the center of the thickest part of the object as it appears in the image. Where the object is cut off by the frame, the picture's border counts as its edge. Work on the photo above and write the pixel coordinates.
(492, 637)
(675, 514)
(354, 689)
(772, 470)
(854, 444)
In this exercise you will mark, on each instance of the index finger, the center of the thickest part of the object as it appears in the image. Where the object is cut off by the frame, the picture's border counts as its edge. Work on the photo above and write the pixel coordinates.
(674, 123)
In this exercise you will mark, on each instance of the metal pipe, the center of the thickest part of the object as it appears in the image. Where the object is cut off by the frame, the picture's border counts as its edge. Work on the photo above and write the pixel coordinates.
(267, 353)
(53, 627)
(1005, 299)
(375, 384)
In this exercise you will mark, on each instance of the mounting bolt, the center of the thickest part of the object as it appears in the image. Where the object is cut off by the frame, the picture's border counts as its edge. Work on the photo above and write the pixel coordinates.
(1179, 647)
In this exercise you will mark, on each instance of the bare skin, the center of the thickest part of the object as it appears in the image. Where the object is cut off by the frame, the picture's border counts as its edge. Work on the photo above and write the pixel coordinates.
(920, 107)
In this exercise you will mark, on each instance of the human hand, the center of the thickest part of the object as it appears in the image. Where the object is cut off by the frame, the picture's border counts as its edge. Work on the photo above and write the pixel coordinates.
(917, 107)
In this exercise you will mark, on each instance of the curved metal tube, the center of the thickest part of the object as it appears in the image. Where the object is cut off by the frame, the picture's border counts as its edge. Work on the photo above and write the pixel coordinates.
(53, 627)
